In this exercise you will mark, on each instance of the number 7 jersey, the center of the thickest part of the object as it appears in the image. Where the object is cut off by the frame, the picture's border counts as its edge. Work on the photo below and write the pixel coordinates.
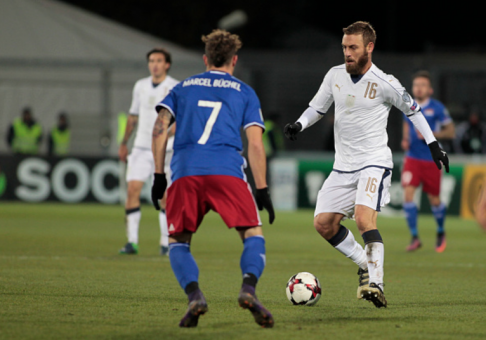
(210, 109)
(361, 115)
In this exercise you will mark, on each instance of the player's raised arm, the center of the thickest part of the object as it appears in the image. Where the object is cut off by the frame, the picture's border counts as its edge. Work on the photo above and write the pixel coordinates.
(404, 102)
(159, 143)
(258, 165)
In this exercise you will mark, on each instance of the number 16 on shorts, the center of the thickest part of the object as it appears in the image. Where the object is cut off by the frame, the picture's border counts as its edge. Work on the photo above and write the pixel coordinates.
(373, 187)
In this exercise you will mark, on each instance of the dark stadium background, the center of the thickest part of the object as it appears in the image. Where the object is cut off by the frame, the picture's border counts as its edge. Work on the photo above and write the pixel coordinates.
(288, 47)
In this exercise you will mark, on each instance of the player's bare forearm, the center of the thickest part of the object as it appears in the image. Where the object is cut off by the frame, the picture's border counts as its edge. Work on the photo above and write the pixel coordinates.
(447, 132)
(159, 139)
(256, 156)
(131, 124)
(172, 130)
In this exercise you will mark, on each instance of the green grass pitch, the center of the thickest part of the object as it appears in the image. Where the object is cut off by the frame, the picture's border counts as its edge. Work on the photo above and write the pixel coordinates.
(61, 277)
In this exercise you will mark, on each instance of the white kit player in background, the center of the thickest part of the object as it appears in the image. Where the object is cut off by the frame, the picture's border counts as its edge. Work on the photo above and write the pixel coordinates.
(359, 183)
(140, 168)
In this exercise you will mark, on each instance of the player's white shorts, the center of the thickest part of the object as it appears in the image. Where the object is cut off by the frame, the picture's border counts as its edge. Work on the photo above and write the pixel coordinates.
(140, 166)
(342, 191)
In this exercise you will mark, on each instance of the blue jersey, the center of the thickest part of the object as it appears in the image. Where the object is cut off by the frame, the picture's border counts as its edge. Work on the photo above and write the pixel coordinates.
(210, 109)
(437, 116)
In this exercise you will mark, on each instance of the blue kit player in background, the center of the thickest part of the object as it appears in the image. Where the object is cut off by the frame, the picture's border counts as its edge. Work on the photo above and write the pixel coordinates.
(208, 170)
(419, 167)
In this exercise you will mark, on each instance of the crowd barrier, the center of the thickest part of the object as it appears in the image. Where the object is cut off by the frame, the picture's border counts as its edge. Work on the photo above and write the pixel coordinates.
(294, 182)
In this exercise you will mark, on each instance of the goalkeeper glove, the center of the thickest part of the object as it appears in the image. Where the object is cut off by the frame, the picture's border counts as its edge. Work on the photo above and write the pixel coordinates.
(158, 189)
(291, 130)
(263, 200)
(439, 155)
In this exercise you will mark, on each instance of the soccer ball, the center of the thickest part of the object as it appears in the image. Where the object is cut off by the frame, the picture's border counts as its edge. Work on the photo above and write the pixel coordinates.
(303, 289)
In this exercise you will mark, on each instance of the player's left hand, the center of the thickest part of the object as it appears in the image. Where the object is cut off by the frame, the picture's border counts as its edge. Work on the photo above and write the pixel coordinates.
(439, 155)
(263, 200)
(158, 189)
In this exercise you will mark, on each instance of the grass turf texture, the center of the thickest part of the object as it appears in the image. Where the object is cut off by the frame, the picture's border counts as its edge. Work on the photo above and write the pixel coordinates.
(61, 277)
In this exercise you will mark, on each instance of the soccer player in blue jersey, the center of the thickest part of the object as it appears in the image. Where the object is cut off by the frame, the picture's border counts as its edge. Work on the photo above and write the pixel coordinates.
(419, 167)
(207, 170)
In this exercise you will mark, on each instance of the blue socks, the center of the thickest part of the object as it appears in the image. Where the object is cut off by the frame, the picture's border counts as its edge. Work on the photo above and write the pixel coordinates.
(439, 214)
(183, 265)
(253, 259)
(411, 212)
(187, 273)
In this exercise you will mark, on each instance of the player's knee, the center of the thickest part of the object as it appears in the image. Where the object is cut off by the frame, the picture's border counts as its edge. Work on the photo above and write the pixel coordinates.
(324, 226)
(363, 222)
(133, 191)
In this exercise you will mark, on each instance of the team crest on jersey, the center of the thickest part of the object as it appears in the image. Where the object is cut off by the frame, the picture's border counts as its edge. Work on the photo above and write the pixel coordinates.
(350, 99)
(406, 97)
(429, 112)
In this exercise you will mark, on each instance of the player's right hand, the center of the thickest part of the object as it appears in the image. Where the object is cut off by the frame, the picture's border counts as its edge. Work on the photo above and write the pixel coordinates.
(263, 200)
(158, 189)
(291, 130)
(123, 153)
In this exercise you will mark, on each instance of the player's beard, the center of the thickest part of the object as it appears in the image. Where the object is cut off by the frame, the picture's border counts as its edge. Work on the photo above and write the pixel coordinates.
(357, 68)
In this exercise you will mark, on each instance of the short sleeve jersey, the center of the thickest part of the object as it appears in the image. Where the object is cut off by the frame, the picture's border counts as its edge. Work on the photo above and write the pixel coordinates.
(210, 109)
(437, 116)
(361, 115)
(145, 97)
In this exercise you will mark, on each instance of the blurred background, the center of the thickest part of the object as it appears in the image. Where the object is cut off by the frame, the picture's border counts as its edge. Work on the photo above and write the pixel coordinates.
(71, 65)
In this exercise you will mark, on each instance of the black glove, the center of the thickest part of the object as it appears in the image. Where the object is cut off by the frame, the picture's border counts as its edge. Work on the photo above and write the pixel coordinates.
(158, 189)
(263, 200)
(439, 155)
(291, 130)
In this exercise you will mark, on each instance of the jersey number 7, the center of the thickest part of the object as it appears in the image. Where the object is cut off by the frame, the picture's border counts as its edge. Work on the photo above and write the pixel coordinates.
(216, 106)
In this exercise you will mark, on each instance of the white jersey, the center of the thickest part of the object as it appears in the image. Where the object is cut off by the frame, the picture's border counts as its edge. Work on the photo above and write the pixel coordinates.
(145, 97)
(361, 115)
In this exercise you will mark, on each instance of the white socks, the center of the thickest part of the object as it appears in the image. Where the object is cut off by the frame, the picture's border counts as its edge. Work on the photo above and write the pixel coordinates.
(133, 221)
(353, 250)
(375, 252)
(164, 231)
(371, 257)
(133, 217)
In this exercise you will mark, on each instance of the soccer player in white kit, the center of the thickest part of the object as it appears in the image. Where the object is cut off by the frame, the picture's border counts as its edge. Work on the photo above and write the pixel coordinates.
(147, 92)
(361, 177)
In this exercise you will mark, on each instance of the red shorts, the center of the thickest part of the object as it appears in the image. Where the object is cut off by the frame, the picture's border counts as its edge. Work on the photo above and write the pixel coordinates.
(416, 172)
(190, 198)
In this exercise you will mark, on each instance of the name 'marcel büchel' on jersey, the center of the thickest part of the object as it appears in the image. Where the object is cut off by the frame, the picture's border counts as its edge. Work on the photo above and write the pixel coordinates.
(210, 109)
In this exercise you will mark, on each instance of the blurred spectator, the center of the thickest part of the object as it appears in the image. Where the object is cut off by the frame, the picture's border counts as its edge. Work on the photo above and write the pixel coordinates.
(60, 137)
(25, 134)
(480, 208)
(471, 135)
(272, 137)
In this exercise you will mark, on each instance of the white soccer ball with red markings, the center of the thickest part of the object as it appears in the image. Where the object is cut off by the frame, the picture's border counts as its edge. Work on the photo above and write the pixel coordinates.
(303, 289)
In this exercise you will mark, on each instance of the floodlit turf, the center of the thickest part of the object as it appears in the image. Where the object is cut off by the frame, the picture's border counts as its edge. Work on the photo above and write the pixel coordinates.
(61, 277)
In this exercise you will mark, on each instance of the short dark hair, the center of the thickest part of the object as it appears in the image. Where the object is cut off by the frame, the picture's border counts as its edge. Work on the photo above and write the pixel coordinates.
(221, 46)
(422, 74)
(166, 54)
(364, 28)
